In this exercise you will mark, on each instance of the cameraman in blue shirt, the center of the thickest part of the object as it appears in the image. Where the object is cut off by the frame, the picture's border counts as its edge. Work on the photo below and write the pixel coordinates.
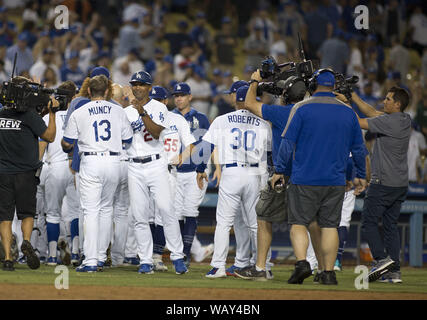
(319, 135)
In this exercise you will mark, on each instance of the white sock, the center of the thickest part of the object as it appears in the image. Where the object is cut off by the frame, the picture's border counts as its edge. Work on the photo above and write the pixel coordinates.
(258, 269)
(52, 248)
(75, 245)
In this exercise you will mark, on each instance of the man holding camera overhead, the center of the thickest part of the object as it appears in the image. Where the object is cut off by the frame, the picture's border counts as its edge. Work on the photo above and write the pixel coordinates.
(318, 175)
(20, 127)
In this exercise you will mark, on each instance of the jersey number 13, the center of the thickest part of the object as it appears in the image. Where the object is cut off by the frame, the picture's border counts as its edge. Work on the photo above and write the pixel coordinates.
(103, 124)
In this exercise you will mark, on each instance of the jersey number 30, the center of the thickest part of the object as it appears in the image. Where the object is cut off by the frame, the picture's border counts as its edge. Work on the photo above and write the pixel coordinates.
(248, 139)
(106, 125)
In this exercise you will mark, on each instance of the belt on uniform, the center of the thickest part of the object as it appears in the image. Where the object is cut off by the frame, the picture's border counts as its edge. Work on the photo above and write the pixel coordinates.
(106, 153)
(244, 165)
(145, 159)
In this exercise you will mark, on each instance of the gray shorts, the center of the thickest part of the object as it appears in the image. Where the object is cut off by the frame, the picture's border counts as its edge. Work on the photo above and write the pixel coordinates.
(315, 203)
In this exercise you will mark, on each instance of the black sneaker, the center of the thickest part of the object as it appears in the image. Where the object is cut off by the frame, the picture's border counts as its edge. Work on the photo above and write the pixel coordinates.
(316, 279)
(328, 278)
(251, 273)
(8, 266)
(302, 271)
(33, 261)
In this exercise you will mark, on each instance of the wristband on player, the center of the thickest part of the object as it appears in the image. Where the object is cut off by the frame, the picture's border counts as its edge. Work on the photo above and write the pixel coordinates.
(143, 114)
(253, 80)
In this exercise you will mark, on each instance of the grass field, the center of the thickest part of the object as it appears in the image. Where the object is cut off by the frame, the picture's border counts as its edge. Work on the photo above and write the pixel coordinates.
(414, 281)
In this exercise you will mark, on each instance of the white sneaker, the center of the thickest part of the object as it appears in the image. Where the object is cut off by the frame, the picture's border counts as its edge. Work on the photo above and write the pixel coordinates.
(216, 273)
(205, 253)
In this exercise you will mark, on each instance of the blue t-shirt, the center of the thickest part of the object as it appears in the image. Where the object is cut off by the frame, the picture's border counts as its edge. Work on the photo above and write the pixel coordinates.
(278, 116)
(199, 124)
(324, 132)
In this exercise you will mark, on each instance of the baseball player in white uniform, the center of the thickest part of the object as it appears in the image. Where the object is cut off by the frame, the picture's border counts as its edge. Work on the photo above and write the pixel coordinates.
(148, 173)
(121, 201)
(243, 140)
(188, 196)
(176, 134)
(241, 233)
(59, 182)
(101, 128)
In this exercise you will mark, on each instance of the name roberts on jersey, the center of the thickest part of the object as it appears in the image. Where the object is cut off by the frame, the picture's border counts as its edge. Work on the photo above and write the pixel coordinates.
(252, 120)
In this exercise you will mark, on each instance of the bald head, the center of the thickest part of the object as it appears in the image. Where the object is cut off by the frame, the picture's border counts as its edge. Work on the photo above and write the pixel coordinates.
(118, 94)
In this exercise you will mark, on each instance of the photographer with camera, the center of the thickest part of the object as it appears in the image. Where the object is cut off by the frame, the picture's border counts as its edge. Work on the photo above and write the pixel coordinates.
(20, 127)
(389, 180)
(60, 182)
(294, 90)
(318, 176)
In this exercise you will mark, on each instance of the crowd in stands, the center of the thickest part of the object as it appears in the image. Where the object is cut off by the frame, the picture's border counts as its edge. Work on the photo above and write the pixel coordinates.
(209, 44)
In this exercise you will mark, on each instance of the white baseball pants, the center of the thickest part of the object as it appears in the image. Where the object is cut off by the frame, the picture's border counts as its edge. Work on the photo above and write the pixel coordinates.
(347, 208)
(121, 222)
(143, 179)
(188, 196)
(60, 182)
(238, 187)
(99, 177)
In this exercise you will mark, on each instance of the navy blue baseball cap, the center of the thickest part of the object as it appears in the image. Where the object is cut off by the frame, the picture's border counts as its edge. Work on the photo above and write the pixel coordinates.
(326, 79)
(216, 72)
(99, 71)
(158, 92)
(23, 36)
(241, 93)
(141, 76)
(181, 88)
(236, 85)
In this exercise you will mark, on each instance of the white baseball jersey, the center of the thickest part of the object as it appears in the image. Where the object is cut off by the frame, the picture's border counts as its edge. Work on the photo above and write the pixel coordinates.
(54, 152)
(143, 143)
(176, 133)
(241, 137)
(97, 125)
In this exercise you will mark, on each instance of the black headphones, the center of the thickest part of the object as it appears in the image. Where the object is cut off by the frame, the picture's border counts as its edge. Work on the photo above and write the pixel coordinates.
(312, 82)
(294, 89)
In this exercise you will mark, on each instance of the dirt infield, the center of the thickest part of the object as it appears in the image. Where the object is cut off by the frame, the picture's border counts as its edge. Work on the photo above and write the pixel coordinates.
(48, 292)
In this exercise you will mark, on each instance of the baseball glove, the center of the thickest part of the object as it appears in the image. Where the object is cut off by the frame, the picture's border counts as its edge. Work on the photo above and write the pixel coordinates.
(272, 206)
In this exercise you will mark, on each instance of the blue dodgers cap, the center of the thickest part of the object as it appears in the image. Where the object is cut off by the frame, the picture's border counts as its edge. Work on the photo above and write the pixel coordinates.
(141, 76)
(199, 71)
(216, 72)
(168, 58)
(226, 73)
(326, 79)
(241, 93)
(158, 92)
(97, 71)
(23, 36)
(236, 85)
(181, 88)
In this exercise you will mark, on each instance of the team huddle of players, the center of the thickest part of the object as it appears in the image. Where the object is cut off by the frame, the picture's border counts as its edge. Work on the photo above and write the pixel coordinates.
(135, 185)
